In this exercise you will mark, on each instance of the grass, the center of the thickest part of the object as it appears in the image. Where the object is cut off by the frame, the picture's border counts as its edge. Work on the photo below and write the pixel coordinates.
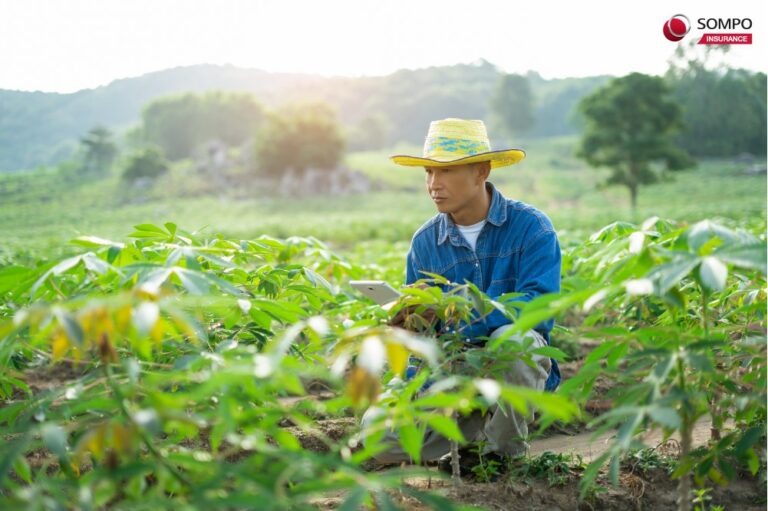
(42, 209)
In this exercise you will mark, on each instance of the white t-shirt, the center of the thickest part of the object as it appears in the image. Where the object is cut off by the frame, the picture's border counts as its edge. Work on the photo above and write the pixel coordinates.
(471, 232)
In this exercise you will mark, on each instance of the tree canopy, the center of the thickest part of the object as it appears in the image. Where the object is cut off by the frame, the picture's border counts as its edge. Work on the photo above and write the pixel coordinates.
(147, 162)
(512, 105)
(629, 125)
(180, 124)
(100, 149)
(299, 136)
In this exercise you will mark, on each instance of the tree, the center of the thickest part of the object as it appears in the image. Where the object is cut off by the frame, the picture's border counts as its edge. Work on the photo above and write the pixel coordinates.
(299, 136)
(100, 149)
(630, 124)
(180, 124)
(724, 109)
(147, 162)
(512, 105)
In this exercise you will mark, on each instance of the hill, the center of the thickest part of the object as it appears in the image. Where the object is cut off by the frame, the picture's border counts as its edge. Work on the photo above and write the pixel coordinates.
(38, 128)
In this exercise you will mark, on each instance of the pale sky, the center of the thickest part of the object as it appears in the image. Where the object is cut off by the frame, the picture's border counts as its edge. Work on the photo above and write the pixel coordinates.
(67, 45)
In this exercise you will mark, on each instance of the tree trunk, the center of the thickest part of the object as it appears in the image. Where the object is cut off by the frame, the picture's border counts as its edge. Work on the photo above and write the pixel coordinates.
(633, 197)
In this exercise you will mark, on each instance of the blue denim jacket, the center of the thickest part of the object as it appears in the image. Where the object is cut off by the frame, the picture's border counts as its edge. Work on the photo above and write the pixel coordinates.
(516, 252)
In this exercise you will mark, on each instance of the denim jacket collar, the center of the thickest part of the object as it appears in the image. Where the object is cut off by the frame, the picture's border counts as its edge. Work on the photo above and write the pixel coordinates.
(497, 215)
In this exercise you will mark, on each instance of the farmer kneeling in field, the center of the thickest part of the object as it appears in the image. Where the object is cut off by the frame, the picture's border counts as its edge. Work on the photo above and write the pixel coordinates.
(499, 244)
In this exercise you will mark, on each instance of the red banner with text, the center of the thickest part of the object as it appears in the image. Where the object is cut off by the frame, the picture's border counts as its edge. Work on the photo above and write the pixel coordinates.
(726, 39)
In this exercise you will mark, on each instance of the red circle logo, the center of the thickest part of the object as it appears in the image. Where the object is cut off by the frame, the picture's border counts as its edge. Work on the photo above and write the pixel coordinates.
(676, 27)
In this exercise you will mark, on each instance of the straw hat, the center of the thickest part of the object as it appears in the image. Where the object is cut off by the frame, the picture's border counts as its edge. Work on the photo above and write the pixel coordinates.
(457, 142)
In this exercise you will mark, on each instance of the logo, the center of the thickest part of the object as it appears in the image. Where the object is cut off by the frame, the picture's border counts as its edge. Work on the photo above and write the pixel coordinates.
(676, 27)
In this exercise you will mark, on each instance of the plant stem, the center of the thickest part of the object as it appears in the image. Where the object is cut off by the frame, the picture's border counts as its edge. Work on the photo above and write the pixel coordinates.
(684, 484)
(144, 438)
(704, 312)
(455, 467)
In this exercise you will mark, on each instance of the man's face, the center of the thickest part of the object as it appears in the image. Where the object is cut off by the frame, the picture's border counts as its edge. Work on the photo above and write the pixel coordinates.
(457, 187)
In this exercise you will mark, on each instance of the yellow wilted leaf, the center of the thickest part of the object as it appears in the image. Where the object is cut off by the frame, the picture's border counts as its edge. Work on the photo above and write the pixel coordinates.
(397, 356)
(158, 330)
(121, 438)
(103, 323)
(93, 443)
(60, 345)
(123, 318)
(362, 385)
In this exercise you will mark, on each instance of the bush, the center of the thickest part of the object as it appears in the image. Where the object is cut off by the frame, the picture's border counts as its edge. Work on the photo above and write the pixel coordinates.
(148, 162)
(297, 137)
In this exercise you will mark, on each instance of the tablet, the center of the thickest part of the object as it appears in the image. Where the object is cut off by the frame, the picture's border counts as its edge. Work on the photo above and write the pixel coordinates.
(377, 290)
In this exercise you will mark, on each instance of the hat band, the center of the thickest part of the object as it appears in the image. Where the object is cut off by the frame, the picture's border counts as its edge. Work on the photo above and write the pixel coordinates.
(449, 146)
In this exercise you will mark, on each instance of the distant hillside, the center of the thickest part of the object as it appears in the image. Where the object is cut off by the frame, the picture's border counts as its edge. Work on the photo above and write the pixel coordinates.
(43, 128)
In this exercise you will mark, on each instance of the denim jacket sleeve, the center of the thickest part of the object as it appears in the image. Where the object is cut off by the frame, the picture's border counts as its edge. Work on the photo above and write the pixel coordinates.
(411, 268)
(538, 273)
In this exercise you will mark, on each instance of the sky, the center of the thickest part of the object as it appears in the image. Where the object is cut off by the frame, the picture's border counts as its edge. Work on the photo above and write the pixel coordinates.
(67, 45)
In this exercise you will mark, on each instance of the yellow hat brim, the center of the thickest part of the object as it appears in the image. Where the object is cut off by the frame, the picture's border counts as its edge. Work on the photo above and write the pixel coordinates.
(497, 159)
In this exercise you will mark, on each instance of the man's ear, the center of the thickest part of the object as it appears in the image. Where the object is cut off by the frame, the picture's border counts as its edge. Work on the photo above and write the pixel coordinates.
(484, 169)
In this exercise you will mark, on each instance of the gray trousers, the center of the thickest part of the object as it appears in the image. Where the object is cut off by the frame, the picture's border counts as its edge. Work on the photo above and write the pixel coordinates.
(502, 430)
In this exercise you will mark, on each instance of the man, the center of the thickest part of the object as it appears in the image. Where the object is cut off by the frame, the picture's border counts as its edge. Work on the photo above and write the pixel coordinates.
(500, 245)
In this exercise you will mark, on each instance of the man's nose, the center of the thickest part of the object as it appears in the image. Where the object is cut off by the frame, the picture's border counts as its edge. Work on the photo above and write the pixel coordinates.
(434, 182)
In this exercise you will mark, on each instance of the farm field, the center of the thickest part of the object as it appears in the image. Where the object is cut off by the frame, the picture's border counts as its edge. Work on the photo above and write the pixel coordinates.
(194, 351)
(45, 210)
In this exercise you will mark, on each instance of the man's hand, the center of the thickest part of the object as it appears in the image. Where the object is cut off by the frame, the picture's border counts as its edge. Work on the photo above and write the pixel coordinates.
(408, 319)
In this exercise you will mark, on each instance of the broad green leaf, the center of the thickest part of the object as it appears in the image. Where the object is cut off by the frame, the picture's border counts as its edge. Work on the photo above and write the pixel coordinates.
(11, 276)
(488, 388)
(703, 231)
(748, 439)
(95, 241)
(446, 427)
(12, 451)
(317, 280)
(667, 417)
(713, 274)
(21, 467)
(93, 263)
(752, 256)
(150, 228)
(55, 439)
(148, 420)
(411, 440)
(372, 355)
(355, 499)
(194, 282)
(145, 316)
(551, 352)
(670, 274)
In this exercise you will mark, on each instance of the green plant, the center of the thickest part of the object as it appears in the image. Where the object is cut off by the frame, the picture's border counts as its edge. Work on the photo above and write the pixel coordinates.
(556, 468)
(487, 469)
(647, 460)
(703, 287)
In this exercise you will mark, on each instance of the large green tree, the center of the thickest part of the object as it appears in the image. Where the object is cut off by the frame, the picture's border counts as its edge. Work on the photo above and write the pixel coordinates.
(100, 149)
(512, 105)
(299, 136)
(630, 125)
